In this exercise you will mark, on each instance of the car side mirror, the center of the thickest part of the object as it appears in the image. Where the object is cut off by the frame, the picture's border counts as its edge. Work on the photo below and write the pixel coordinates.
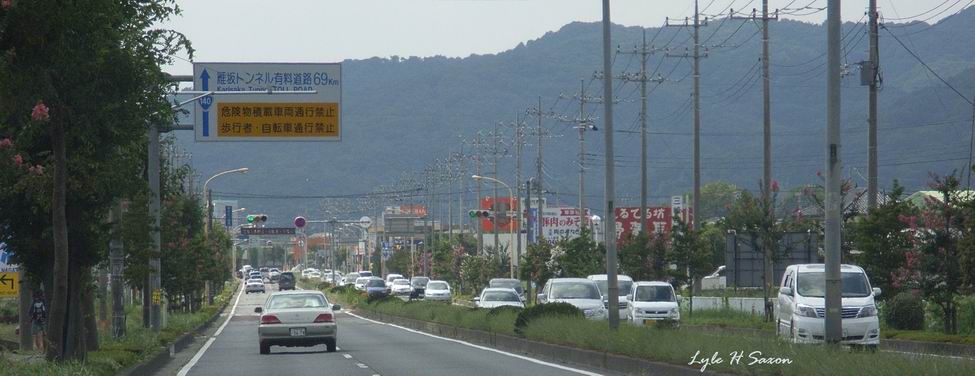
(680, 298)
(541, 297)
(258, 309)
(477, 299)
(876, 291)
(786, 291)
(336, 307)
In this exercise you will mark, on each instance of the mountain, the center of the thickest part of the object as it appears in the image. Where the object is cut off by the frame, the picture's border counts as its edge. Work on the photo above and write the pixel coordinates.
(400, 114)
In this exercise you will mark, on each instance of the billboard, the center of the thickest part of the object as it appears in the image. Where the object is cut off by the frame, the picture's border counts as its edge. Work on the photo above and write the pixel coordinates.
(407, 210)
(561, 223)
(628, 221)
(500, 206)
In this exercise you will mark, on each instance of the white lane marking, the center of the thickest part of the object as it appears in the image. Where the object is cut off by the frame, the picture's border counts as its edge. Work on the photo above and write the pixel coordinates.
(347, 356)
(362, 365)
(199, 354)
(536, 361)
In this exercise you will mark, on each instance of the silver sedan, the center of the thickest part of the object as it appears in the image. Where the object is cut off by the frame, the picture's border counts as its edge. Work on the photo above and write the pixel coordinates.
(297, 318)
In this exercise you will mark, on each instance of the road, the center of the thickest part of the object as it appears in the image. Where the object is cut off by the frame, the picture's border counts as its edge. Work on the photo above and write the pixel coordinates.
(365, 347)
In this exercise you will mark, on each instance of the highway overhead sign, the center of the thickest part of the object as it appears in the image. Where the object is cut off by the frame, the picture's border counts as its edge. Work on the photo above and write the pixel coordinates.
(9, 284)
(267, 231)
(269, 117)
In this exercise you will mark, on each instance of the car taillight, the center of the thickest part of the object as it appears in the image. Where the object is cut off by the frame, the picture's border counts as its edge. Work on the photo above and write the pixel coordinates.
(325, 317)
(269, 319)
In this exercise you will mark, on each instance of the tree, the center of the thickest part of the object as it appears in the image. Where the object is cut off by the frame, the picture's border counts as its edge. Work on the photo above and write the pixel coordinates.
(882, 240)
(644, 257)
(536, 265)
(716, 198)
(755, 220)
(96, 101)
(934, 259)
(692, 256)
(581, 256)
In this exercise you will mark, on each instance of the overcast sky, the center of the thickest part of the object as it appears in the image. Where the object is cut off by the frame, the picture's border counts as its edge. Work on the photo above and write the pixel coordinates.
(335, 30)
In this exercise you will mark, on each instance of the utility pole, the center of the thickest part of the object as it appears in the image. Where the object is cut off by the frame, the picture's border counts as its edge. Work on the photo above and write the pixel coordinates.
(477, 171)
(539, 162)
(834, 167)
(871, 69)
(582, 123)
(448, 168)
(610, 190)
(519, 144)
(697, 24)
(768, 265)
(150, 307)
(644, 52)
(497, 244)
(463, 192)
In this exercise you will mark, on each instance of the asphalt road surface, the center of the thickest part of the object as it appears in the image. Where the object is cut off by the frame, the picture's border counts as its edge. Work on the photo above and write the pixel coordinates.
(366, 347)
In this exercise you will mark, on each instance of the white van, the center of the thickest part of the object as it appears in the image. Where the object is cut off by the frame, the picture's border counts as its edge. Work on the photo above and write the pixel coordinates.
(650, 302)
(625, 284)
(801, 312)
(580, 292)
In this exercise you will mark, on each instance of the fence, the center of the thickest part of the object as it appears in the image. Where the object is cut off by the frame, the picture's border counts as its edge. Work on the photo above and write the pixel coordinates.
(755, 306)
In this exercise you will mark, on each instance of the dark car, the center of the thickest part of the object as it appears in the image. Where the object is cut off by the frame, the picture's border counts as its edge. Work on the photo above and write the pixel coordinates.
(286, 281)
(419, 286)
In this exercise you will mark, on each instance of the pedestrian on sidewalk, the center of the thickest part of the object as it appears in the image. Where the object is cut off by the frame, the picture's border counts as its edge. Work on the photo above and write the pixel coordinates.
(38, 321)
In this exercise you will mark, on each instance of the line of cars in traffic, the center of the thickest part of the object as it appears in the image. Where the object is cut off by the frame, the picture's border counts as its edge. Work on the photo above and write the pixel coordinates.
(799, 310)
(256, 280)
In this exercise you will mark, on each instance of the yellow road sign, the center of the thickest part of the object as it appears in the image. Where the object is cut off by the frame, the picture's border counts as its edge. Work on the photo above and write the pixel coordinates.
(9, 284)
(156, 296)
(289, 120)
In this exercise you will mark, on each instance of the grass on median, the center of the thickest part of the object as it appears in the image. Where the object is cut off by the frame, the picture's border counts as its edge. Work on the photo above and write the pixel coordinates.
(678, 346)
(725, 317)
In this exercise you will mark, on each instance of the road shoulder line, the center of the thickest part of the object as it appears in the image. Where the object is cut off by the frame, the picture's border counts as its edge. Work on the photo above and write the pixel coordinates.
(199, 354)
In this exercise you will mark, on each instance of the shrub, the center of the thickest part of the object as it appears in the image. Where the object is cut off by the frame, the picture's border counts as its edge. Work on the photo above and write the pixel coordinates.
(905, 312)
(378, 297)
(545, 310)
(341, 289)
(504, 309)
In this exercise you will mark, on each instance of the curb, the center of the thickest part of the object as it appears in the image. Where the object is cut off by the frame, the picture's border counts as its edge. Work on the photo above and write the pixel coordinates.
(542, 350)
(902, 345)
(161, 358)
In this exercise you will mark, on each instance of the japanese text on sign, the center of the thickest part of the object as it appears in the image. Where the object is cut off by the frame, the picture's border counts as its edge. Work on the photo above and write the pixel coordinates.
(278, 119)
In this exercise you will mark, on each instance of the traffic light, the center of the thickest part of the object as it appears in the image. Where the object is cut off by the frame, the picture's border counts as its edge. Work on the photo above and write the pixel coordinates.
(483, 214)
(256, 218)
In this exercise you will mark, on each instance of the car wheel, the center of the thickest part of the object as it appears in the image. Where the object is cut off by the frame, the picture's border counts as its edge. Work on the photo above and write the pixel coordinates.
(330, 344)
(265, 348)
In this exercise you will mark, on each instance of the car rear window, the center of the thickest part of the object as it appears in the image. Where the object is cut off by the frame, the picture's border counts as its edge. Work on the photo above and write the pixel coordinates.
(295, 301)
(287, 276)
(437, 286)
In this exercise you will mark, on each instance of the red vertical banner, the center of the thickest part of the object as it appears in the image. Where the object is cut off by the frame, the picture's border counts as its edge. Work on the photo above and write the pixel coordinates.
(628, 220)
(500, 207)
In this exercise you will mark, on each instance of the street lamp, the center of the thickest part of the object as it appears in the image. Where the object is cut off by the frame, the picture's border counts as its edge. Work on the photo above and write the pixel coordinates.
(209, 226)
(511, 225)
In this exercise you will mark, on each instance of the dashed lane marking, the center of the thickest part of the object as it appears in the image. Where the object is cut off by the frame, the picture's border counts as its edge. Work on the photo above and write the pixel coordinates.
(536, 361)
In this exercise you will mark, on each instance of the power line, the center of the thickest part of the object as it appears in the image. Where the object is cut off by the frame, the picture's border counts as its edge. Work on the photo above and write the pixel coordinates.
(918, 58)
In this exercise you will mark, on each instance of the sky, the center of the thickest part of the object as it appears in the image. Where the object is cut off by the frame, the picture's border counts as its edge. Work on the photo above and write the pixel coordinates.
(335, 30)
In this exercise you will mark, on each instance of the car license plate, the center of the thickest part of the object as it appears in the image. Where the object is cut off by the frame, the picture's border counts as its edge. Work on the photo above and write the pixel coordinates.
(297, 332)
(645, 322)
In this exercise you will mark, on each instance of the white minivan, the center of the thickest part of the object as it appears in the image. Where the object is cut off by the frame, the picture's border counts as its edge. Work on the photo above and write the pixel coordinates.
(650, 302)
(802, 310)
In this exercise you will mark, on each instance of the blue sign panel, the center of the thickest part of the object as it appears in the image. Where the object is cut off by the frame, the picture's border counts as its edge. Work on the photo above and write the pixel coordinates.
(228, 215)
